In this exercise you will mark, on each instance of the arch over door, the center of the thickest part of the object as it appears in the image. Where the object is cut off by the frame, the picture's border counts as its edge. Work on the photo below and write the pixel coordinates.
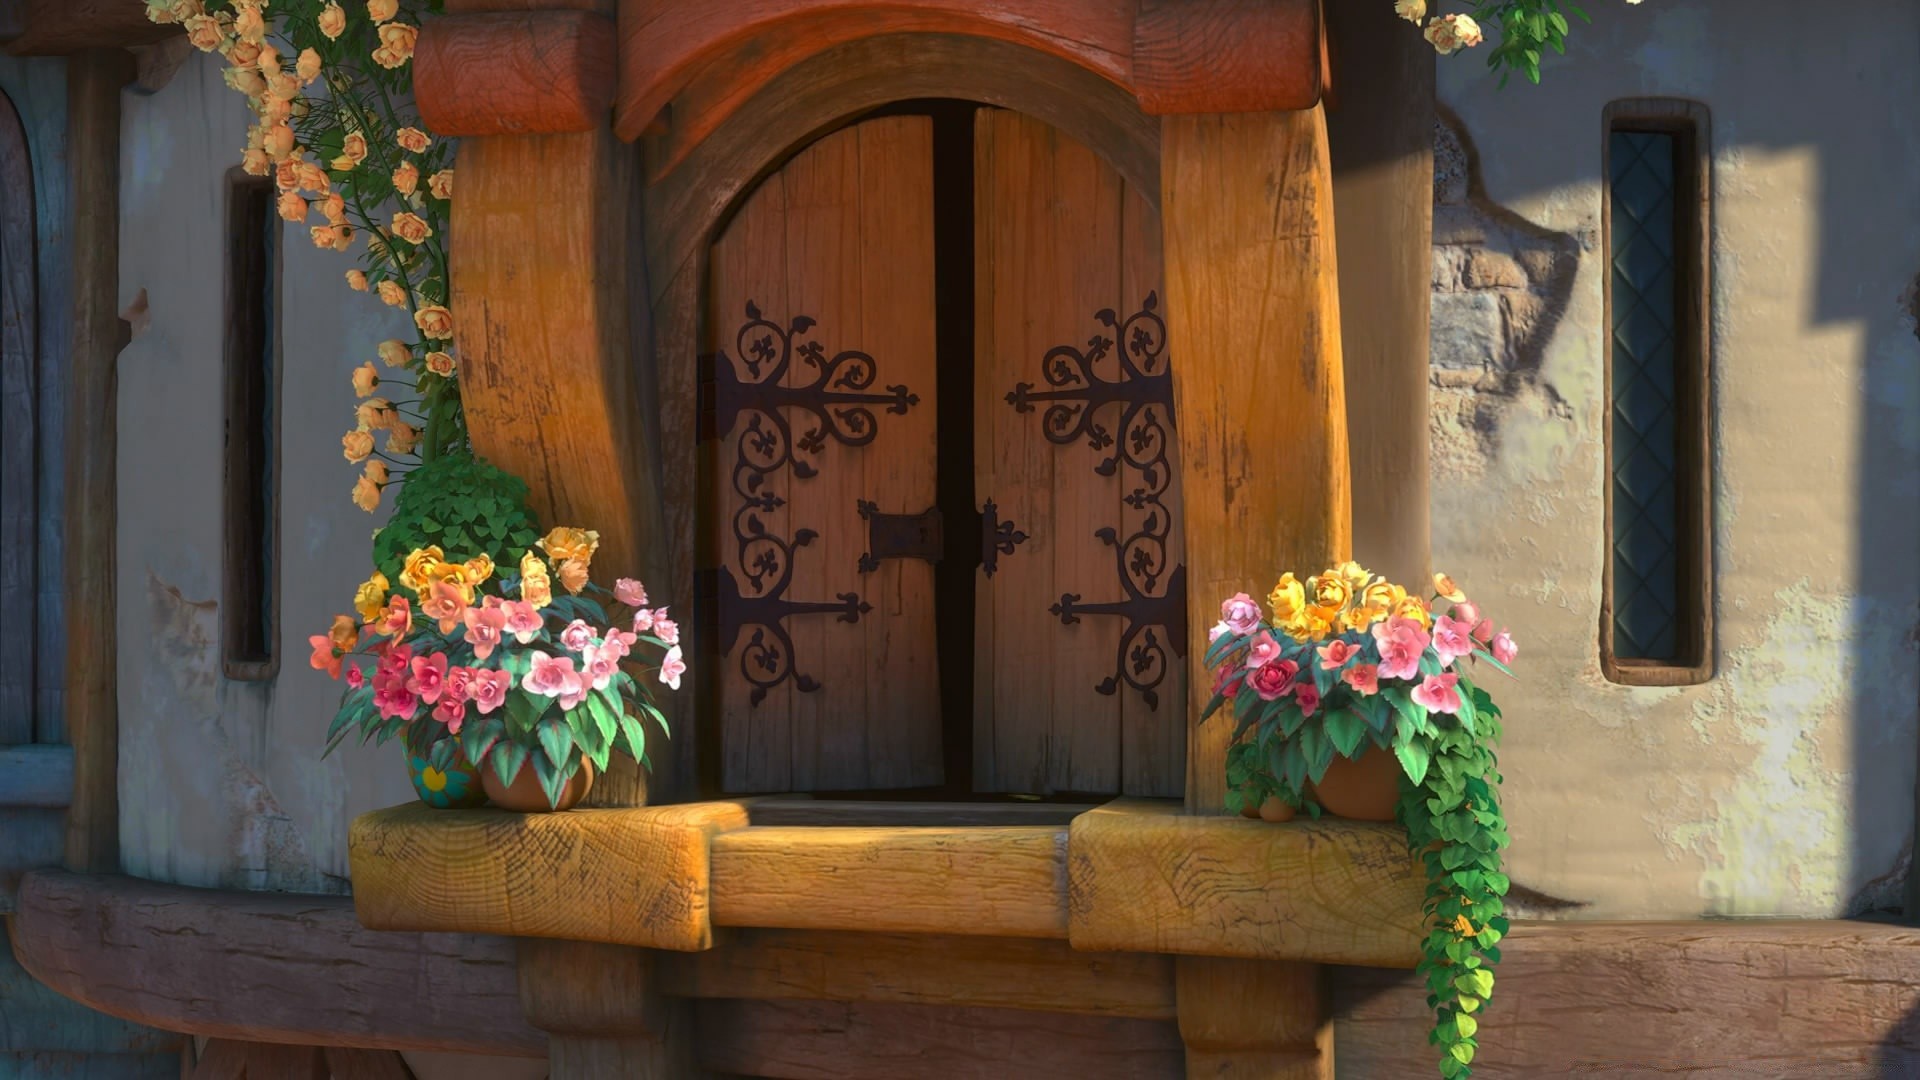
(1080, 683)
(19, 395)
(822, 401)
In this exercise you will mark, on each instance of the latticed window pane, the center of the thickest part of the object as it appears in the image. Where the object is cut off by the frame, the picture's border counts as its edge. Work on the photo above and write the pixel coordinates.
(1646, 531)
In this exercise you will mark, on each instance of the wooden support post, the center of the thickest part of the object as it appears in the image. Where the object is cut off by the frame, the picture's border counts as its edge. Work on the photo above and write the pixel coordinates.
(94, 81)
(1253, 1019)
(604, 1012)
(1253, 315)
(1380, 134)
(542, 255)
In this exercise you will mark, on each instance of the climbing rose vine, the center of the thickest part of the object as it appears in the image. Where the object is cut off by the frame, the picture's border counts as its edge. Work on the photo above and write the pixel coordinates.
(1527, 28)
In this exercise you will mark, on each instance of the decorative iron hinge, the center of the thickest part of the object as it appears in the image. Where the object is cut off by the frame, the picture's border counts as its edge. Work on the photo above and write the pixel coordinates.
(997, 538)
(901, 536)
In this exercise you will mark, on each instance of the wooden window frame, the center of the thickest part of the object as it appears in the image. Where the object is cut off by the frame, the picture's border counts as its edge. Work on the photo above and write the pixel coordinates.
(241, 544)
(1689, 123)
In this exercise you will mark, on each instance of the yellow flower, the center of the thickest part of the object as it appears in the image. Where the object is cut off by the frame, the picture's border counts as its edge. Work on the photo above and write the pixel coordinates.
(441, 184)
(479, 569)
(412, 140)
(396, 44)
(395, 353)
(333, 20)
(370, 599)
(393, 294)
(435, 322)
(292, 207)
(411, 227)
(454, 574)
(440, 364)
(356, 445)
(1444, 588)
(406, 178)
(563, 543)
(1412, 607)
(1355, 575)
(344, 633)
(418, 571)
(1330, 590)
(573, 575)
(1286, 599)
(365, 381)
(535, 587)
(357, 280)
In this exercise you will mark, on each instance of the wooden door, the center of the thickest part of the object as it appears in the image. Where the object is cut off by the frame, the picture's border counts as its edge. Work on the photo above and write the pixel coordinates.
(1080, 682)
(823, 405)
(19, 407)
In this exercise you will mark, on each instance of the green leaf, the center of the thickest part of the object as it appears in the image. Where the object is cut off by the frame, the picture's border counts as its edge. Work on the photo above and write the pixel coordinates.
(523, 712)
(1414, 759)
(507, 759)
(1462, 1052)
(605, 711)
(1478, 983)
(556, 738)
(1412, 714)
(635, 736)
(1347, 729)
(1497, 665)
(553, 776)
(441, 755)
(477, 737)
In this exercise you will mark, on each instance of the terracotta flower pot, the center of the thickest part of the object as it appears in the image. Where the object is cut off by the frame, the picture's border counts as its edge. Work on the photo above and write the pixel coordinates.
(1275, 810)
(458, 787)
(1362, 789)
(525, 796)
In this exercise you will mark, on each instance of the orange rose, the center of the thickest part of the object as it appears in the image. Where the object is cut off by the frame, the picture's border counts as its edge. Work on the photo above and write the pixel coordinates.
(411, 227)
(412, 139)
(292, 207)
(441, 184)
(435, 322)
(333, 20)
(440, 364)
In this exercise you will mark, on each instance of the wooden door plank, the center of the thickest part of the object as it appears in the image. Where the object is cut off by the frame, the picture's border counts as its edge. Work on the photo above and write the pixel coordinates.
(355, 1063)
(19, 409)
(279, 1061)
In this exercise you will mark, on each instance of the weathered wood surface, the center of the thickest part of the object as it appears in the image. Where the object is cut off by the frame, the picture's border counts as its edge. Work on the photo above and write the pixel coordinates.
(819, 1040)
(94, 81)
(37, 1020)
(1380, 136)
(632, 877)
(1252, 284)
(226, 1059)
(54, 1065)
(1227, 56)
(1147, 877)
(846, 812)
(606, 1011)
(547, 371)
(1060, 238)
(39, 776)
(68, 27)
(996, 882)
(31, 838)
(515, 73)
(1206, 56)
(1254, 1019)
(843, 236)
(267, 967)
(358, 1063)
(19, 435)
(1723, 1000)
(1013, 973)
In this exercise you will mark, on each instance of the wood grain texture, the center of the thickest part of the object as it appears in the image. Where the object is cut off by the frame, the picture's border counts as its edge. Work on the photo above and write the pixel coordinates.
(586, 988)
(68, 27)
(1227, 56)
(36, 776)
(19, 433)
(1722, 1000)
(31, 838)
(547, 372)
(1061, 237)
(357, 1063)
(515, 73)
(1252, 283)
(38, 1020)
(1254, 1019)
(624, 877)
(94, 81)
(777, 811)
(818, 1040)
(1381, 141)
(1014, 973)
(266, 967)
(995, 882)
(1148, 877)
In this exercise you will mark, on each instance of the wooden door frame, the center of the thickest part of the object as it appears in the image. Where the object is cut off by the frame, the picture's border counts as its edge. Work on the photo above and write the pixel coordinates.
(19, 408)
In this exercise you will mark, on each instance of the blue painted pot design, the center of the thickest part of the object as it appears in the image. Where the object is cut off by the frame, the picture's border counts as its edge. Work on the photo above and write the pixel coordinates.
(455, 788)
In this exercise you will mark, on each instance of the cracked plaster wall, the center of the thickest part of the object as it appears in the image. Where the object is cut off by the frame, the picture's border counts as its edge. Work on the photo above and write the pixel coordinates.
(1784, 786)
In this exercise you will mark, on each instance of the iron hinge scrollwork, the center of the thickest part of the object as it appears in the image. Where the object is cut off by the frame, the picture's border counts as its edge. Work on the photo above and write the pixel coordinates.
(997, 537)
(1141, 440)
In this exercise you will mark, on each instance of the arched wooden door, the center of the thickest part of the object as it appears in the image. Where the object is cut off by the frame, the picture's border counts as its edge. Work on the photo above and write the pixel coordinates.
(941, 520)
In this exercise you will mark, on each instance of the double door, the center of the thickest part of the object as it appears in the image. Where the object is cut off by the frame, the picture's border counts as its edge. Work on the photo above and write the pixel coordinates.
(941, 531)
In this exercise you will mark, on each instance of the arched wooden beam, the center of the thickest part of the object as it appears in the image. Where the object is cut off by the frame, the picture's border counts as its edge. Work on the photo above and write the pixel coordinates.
(515, 72)
(1178, 56)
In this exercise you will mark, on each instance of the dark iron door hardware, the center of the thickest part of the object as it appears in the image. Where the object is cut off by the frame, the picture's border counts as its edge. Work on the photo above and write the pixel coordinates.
(997, 537)
(901, 536)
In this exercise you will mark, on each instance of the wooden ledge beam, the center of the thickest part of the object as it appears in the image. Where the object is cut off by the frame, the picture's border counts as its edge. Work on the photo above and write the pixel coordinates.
(62, 27)
(1177, 56)
(515, 72)
(37, 775)
(266, 967)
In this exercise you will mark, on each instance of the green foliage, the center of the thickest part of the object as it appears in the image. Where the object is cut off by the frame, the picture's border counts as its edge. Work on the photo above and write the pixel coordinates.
(1527, 29)
(466, 507)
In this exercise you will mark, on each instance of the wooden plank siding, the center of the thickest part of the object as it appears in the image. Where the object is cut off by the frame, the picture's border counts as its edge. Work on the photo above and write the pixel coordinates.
(19, 439)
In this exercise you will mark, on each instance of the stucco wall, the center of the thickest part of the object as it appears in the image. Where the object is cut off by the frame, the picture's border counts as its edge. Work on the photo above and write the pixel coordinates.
(221, 782)
(1784, 785)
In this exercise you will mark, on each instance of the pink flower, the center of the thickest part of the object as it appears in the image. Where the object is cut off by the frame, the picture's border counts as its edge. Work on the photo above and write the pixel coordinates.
(630, 592)
(1364, 678)
(1451, 639)
(355, 677)
(1504, 650)
(429, 677)
(485, 629)
(618, 643)
(445, 605)
(1241, 614)
(598, 666)
(1483, 633)
(1263, 651)
(578, 636)
(1335, 654)
(1307, 696)
(459, 685)
(672, 667)
(643, 621)
(397, 619)
(395, 700)
(324, 657)
(1401, 642)
(489, 689)
(451, 713)
(1466, 612)
(1437, 694)
(1216, 632)
(523, 620)
(1226, 680)
(552, 677)
(664, 628)
(1272, 681)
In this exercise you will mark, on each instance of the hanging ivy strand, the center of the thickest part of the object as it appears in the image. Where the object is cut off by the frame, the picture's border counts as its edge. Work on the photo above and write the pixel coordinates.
(1527, 29)
(331, 90)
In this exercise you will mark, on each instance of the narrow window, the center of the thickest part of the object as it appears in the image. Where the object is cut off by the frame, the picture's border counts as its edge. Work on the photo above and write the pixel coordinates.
(250, 606)
(1656, 616)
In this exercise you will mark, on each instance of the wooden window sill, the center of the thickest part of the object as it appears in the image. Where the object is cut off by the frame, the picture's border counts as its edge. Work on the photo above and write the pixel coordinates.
(663, 877)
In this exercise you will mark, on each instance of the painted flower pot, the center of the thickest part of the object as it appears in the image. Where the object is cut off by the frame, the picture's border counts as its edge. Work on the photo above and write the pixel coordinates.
(456, 788)
(1361, 789)
(525, 796)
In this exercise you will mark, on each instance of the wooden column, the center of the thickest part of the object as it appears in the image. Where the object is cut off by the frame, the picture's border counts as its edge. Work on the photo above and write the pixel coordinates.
(604, 1012)
(1253, 315)
(94, 81)
(540, 265)
(1380, 130)
(1253, 1019)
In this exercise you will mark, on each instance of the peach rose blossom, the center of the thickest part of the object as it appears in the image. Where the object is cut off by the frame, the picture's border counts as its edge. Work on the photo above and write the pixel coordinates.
(274, 110)
(406, 178)
(366, 494)
(255, 162)
(401, 438)
(377, 471)
(374, 414)
(395, 353)
(291, 206)
(357, 280)
(356, 445)
(441, 184)
(333, 20)
(573, 575)
(396, 44)
(440, 364)
(249, 25)
(1411, 10)
(366, 379)
(205, 32)
(245, 80)
(307, 67)
(393, 294)
(1448, 34)
(311, 177)
(325, 236)
(412, 140)
(277, 141)
(382, 10)
(333, 208)
(434, 321)
(411, 227)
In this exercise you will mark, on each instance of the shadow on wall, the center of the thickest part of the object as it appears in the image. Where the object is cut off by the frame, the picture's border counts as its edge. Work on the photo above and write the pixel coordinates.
(1899, 1057)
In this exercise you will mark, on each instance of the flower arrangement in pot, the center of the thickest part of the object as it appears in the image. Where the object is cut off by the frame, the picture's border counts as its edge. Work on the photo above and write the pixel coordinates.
(1350, 668)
